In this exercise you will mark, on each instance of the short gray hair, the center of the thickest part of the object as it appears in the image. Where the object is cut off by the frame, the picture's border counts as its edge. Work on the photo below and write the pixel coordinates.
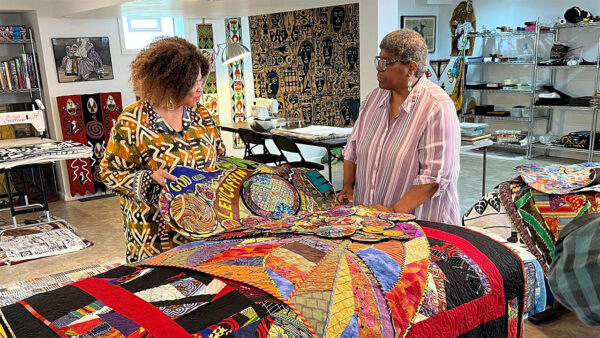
(408, 45)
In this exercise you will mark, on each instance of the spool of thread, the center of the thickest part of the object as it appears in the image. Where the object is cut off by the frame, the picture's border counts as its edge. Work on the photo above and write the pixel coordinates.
(562, 21)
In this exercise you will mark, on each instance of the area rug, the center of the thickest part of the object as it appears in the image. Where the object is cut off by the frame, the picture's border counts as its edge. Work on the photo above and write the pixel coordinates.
(25, 244)
(14, 292)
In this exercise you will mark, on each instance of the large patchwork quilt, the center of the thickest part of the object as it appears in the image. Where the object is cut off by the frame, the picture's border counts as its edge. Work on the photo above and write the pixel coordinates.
(421, 279)
(274, 257)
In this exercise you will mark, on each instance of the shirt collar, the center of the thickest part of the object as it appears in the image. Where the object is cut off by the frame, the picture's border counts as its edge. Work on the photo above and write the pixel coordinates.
(412, 98)
(158, 124)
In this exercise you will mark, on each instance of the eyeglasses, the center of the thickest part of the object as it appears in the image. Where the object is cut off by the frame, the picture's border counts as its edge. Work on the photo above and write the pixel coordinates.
(383, 63)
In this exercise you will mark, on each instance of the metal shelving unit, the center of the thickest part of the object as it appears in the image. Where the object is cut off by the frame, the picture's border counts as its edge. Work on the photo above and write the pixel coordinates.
(535, 67)
(593, 108)
(530, 92)
(34, 93)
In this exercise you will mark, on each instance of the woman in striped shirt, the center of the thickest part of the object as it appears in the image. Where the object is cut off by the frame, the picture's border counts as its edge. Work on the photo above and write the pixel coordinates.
(403, 154)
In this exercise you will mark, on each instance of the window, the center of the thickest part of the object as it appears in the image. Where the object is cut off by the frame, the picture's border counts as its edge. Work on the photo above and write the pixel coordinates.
(137, 33)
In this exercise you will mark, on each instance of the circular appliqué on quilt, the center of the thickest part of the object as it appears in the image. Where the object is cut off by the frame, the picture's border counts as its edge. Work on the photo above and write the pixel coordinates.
(377, 223)
(193, 214)
(334, 231)
(340, 211)
(270, 196)
(397, 217)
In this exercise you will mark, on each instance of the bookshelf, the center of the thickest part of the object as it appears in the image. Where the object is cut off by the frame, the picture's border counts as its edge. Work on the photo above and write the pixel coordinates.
(20, 81)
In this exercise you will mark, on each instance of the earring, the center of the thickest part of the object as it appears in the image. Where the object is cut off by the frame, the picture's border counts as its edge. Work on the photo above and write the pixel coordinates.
(170, 105)
(409, 86)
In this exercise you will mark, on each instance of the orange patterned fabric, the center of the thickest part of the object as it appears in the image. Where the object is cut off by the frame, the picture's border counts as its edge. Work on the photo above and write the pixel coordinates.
(140, 143)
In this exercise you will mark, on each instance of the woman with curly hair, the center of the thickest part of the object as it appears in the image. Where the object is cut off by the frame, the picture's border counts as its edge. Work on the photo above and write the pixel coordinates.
(403, 154)
(165, 128)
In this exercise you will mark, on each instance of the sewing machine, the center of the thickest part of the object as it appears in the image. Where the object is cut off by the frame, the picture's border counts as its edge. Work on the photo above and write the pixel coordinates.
(263, 114)
(263, 108)
(34, 117)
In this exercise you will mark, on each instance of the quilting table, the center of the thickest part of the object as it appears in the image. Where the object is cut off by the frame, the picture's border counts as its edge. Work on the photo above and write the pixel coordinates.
(328, 144)
(30, 154)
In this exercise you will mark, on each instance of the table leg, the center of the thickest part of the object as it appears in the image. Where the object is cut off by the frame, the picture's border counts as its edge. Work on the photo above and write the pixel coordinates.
(484, 171)
(329, 156)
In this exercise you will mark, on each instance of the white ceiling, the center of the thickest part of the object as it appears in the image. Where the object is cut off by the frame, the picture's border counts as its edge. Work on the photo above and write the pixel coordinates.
(216, 9)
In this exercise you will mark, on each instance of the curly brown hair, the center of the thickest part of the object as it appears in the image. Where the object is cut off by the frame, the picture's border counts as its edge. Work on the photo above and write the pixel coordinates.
(165, 71)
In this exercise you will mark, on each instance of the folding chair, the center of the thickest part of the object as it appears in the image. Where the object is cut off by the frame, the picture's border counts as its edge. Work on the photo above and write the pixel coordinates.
(252, 140)
(283, 143)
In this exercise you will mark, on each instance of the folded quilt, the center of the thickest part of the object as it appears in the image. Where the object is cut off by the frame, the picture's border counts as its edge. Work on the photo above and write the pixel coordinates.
(561, 179)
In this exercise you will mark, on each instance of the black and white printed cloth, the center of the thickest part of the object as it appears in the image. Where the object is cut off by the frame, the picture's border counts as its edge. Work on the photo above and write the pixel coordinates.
(15, 154)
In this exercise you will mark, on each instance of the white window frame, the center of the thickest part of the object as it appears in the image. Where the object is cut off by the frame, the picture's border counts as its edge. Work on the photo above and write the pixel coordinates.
(124, 22)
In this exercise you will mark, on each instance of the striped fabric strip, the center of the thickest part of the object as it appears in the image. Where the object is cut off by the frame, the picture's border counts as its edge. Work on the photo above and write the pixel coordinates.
(420, 146)
(129, 305)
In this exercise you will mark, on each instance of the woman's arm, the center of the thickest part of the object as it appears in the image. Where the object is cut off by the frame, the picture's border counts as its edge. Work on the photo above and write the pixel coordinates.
(346, 196)
(416, 196)
(122, 171)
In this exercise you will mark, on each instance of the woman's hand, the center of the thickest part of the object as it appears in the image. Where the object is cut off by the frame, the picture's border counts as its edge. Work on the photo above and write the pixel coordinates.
(383, 208)
(160, 176)
(346, 196)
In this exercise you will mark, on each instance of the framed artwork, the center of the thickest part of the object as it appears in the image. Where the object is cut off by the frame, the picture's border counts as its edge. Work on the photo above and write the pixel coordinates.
(422, 24)
(82, 59)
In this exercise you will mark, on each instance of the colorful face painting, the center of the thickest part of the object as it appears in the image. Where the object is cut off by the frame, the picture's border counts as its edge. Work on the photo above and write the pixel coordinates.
(560, 179)
(240, 193)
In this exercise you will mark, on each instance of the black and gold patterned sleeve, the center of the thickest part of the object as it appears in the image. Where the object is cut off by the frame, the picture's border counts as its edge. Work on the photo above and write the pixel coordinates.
(121, 167)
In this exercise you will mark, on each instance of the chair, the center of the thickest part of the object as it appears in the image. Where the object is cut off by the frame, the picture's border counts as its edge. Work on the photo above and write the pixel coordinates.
(283, 143)
(252, 140)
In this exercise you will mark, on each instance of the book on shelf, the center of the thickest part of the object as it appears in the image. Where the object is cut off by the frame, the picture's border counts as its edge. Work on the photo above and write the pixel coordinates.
(17, 73)
(3, 84)
(7, 72)
(13, 74)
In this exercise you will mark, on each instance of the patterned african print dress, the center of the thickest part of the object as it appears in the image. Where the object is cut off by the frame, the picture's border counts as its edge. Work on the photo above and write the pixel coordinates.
(140, 143)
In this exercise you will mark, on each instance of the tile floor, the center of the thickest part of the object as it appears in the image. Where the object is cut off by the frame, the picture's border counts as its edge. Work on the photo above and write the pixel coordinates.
(100, 222)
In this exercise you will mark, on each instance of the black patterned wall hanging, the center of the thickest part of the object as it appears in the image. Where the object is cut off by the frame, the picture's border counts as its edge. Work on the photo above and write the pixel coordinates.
(309, 61)
(88, 119)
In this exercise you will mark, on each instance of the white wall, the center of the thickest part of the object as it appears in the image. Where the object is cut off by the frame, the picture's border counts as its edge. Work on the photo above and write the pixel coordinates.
(49, 28)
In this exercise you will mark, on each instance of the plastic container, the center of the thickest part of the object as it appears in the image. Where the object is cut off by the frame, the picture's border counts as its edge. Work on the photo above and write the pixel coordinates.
(517, 111)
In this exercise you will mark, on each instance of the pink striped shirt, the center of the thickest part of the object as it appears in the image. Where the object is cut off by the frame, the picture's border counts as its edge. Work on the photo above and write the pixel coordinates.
(420, 146)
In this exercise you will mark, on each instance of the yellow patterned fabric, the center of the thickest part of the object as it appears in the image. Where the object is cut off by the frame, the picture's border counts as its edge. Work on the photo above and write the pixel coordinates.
(140, 143)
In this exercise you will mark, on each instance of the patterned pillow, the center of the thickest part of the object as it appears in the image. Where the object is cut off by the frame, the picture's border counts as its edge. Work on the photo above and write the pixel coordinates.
(489, 213)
